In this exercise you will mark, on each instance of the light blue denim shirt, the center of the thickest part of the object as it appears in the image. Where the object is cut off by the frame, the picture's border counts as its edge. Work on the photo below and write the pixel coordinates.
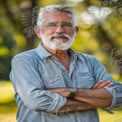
(36, 70)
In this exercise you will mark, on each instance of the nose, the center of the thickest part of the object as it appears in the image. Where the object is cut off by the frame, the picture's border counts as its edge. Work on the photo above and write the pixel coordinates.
(59, 29)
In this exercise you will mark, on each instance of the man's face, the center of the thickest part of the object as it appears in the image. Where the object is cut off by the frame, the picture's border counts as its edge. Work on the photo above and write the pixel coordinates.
(58, 31)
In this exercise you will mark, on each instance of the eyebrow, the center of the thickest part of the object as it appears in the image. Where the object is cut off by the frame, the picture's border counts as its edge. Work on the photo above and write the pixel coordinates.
(61, 23)
(68, 23)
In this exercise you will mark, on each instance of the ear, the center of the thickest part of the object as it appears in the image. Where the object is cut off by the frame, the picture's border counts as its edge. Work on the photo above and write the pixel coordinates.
(77, 29)
(37, 31)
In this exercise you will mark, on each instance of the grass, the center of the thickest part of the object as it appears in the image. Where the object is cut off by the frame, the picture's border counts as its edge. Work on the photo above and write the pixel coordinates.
(106, 117)
(8, 112)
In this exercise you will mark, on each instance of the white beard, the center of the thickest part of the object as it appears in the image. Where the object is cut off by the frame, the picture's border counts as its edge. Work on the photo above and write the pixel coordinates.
(60, 44)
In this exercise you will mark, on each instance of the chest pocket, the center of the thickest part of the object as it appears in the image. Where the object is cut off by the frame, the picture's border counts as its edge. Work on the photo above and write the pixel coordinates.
(84, 80)
(53, 81)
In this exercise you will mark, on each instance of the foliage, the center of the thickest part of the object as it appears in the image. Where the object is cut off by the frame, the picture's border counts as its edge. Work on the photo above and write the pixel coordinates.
(7, 91)
(99, 36)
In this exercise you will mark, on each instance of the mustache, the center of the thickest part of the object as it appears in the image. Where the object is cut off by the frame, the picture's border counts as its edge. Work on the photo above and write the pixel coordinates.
(59, 35)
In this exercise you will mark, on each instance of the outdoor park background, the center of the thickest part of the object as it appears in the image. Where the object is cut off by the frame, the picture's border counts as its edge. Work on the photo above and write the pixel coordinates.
(100, 34)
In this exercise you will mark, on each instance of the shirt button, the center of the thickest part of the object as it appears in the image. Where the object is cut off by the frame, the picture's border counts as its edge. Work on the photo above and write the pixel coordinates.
(91, 79)
(73, 64)
(58, 77)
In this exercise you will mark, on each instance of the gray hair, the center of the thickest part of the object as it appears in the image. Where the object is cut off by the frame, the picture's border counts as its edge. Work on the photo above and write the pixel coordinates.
(53, 8)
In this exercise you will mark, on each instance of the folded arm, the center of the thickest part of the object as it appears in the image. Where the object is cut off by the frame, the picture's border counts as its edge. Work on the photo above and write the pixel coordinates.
(75, 106)
(96, 97)
(86, 99)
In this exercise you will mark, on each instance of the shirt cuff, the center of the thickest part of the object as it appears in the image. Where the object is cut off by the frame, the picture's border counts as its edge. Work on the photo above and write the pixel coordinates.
(57, 103)
(111, 90)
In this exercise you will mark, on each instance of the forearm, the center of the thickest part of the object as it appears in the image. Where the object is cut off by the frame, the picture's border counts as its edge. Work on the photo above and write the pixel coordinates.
(75, 106)
(96, 97)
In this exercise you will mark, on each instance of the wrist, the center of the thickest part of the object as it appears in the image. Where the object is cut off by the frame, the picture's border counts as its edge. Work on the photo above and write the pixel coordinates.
(72, 93)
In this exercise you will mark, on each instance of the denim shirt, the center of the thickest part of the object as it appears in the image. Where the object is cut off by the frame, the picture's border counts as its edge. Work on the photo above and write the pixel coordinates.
(36, 70)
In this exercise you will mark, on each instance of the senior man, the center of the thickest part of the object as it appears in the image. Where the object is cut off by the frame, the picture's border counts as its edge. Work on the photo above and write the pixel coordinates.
(54, 83)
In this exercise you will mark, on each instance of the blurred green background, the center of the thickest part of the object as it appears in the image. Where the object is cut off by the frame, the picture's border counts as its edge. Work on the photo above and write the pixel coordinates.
(100, 34)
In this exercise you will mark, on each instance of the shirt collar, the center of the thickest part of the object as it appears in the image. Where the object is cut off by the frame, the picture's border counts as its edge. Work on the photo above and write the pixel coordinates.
(72, 53)
(43, 53)
(76, 55)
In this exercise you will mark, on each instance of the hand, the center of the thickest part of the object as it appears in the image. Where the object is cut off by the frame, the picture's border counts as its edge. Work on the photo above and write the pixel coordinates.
(102, 84)
(61, 91)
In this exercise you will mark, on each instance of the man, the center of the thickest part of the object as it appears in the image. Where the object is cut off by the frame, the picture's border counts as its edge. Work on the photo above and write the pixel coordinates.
(53, 83)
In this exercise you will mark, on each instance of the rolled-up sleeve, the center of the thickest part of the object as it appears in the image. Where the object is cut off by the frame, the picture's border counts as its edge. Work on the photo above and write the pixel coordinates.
(28, 85)
(100, 73)
(116, 92)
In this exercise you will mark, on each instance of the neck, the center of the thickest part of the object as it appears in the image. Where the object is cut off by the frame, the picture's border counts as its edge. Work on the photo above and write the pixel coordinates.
(60, 54)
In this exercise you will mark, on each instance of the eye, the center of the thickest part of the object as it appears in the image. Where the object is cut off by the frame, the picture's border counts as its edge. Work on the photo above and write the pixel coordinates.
(67, 24)
(51, 25)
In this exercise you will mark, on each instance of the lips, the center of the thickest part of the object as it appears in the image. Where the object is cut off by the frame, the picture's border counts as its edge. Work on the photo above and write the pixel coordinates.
(63, 37)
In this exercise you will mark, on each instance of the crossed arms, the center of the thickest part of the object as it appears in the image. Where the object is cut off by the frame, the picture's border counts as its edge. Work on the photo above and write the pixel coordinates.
(30, 90)
(86, 99)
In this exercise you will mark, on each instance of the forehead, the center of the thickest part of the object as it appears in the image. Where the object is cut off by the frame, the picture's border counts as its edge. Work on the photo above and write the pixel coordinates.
(57, 17)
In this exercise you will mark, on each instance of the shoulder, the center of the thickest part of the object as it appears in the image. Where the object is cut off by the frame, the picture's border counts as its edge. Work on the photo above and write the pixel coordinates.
(86, 57)
(26, 54)
(90, 60)
(29, 56)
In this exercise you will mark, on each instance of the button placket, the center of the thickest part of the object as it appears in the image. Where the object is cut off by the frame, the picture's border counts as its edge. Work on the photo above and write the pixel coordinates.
(72, 66)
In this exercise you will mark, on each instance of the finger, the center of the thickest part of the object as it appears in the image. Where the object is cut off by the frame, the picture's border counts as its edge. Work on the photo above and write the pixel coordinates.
(104, 84)
(97, 84)
(109, 85)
